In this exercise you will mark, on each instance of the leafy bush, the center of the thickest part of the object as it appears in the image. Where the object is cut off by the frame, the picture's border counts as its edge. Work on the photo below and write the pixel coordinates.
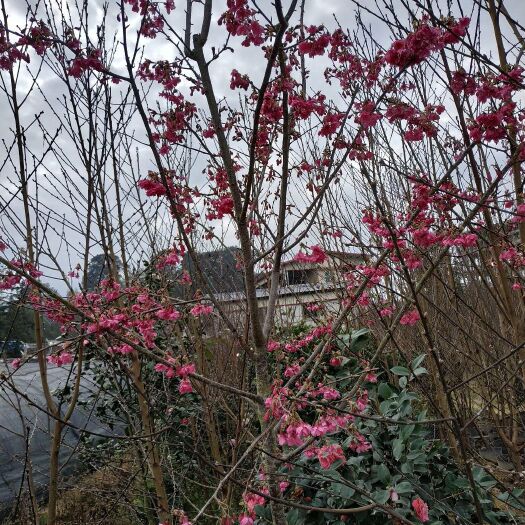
(405, 461)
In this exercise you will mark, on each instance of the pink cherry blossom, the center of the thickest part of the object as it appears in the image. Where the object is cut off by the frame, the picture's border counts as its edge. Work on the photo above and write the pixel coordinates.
(271, 346)
(239, 81)
(317, 255)
(168, 314)
(421, 510)
(386, 312)
(329, 454)
(201, 309)
(316, 44)
(410, 318)
(185, 386)
(61, 359)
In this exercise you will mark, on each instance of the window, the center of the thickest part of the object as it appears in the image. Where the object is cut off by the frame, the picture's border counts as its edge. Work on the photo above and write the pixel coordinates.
(300, 277)
(297, 277)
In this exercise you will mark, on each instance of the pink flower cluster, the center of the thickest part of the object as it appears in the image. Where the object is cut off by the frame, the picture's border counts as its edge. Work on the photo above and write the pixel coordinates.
(359, 444)
(313, 335)
(165, 73)
(168, 314)
(492, 126)
(10, 279)
(183, 372)
(136, 316)
(276, 404)
(316, 43)
(90, 62)
(123, 349)
(180, 196)
(410, 318)
(513, 257)
(329, 454)
(239, 81)
(317, 255)
(425, 40)
(201, 309)
(326, 392)
(367, 117)
(296, 431)
(152, 21)
(251, 500)
(39, 37)
(172, 258)
(271, 346)
(421, 510)
(176, 120)
(240, 20)
(9, 53)
(348, 67)
(421, 124)
(488, 87)
(62, 358)
(304, 107)
(331, 124)
(220, 207)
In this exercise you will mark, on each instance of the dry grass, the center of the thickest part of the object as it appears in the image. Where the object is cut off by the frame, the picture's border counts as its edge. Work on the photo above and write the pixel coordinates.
(105, 497)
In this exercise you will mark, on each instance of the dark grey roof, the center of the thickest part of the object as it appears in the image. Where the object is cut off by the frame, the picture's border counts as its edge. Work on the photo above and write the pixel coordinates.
(219, 268)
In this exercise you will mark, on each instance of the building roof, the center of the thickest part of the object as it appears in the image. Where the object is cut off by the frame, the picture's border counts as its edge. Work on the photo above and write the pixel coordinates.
(340, 257)
(219, 269)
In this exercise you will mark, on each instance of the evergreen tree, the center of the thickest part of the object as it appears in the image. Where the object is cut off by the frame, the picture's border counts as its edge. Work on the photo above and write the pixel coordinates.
(17, 321)
(99, 269)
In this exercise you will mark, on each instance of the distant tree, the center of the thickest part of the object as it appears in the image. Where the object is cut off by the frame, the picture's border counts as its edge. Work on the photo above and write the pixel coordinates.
(17, 320)
(99, 268)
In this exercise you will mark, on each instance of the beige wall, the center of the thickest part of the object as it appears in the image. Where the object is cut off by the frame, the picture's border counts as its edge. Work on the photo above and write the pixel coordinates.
(290, 309)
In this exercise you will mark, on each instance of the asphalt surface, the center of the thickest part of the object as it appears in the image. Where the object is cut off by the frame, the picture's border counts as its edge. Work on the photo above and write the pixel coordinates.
(17, 445)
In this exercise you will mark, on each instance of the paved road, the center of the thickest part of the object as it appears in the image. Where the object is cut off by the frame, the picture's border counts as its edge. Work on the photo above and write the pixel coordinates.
(12, 423)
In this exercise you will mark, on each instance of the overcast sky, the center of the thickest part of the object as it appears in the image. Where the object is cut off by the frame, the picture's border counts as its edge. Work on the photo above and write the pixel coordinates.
(62, 220)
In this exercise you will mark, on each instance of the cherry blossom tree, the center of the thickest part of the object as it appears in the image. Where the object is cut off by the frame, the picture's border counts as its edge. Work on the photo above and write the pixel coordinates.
(399, 136)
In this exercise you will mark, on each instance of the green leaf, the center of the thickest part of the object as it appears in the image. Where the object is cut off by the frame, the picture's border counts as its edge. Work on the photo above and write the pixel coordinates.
(262, 511)
(381, 496)
(397, 448)
(404, 487)
(384, 391)
(342, 490)
(383, 474)
(415, 455)
(512, 498)
(293, 518)
(400, 371)
(418, 360)
(406, 431)
(357, 334)
(386, 406)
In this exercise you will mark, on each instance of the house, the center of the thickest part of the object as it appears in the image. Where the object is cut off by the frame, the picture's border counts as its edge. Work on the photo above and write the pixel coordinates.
(307, 292)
